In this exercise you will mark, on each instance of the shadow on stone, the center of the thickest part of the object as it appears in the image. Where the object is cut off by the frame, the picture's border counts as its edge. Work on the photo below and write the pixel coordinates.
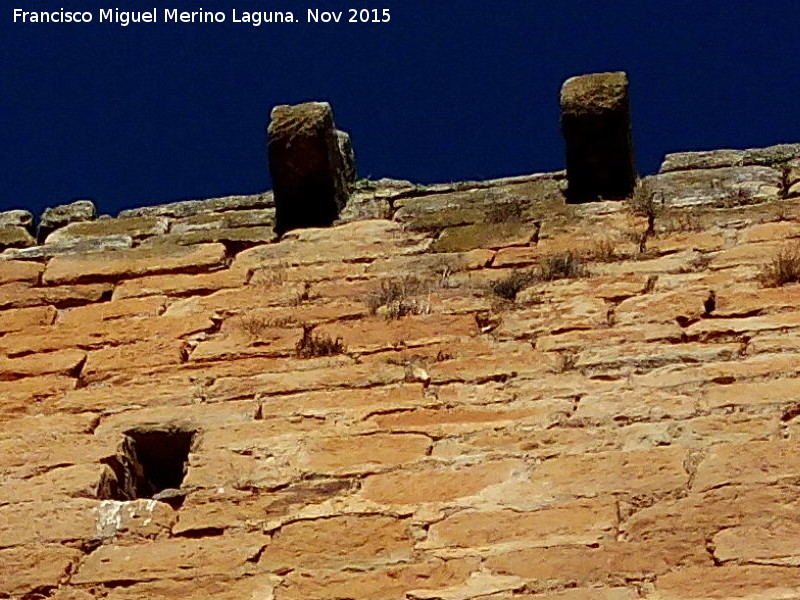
(595, 122)
(309, 174)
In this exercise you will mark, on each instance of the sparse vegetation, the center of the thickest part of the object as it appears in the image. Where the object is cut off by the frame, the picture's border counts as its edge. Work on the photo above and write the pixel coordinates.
(508, 287)
(504, 212)
(604, 250)
(783, 268)
(568, 265)
(396, 298)
(312, 345)
(254, 326)
(646, 201)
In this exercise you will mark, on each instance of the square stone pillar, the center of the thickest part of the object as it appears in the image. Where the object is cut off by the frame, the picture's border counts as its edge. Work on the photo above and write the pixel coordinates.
(308, 174)
(596, 123)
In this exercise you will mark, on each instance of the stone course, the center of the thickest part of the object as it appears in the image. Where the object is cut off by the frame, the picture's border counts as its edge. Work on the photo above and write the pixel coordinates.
(420, 406)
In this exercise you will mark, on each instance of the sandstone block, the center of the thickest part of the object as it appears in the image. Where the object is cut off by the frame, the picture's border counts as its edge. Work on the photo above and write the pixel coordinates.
(595, 121)
(358, 241)
(58, 216)
(308, 175)
(21, 319)
(64, 362)
(70, 246)
(222, 556)
(437, 484)
(775, 543)
(612, 563)
(485, 235)
(47, 522)
(15, 237)
(125, 264)
(755, 462)
(528, 199)
(135, 227)
(343, 540)
(581, 523)
(75, 481)
(747, 582)
(19, 270)
(363, 453)
(35, 567)
(379, 583)
(703, 514)
(16, 218)
(23, 294)
(235, 237)
(180, 284)
(22, 396)
(710, 159)
(191, 208)
(217, 588)
(724, 187)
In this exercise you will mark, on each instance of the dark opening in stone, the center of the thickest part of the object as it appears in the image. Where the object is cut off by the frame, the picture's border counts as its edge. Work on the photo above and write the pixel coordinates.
(150, 463)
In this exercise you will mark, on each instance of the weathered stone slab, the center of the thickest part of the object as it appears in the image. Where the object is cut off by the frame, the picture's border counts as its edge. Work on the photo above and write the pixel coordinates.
(35, 567)
(262, 217)
(189, 208)
(595, 121)
(724, 187)
(713, 159)
(222, 556)
(308, 175)
(22, 318)
(21, 294)
(15, 237)
(348, 540)
(18, 270)
(438, 483)
(238, 236)
(71, 246)
(16, 218)
(134, 227)
(529, 199)
(358, 241)
(490, 235)
(743, 582)
(585, 522)
(179, 284)
(125, 264)
(57, 216)
(766, 463)
(64, 362)
(609, 563)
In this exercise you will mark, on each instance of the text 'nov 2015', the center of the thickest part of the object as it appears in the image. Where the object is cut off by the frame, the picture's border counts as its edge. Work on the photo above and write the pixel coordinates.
(125, 18)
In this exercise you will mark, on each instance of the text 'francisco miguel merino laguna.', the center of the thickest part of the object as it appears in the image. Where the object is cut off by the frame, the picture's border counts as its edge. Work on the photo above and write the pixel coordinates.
(173, 15)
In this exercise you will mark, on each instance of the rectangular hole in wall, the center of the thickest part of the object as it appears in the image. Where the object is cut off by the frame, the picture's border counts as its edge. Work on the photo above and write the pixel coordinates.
(150, 463)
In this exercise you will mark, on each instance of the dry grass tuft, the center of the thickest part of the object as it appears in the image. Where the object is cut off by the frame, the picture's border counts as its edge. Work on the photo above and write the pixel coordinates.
(508, 287)
(568, 265)
(782, 269)
(312, 345)
(397, 298)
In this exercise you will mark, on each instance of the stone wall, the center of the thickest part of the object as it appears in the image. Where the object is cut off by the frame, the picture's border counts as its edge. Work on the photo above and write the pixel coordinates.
(461, 391)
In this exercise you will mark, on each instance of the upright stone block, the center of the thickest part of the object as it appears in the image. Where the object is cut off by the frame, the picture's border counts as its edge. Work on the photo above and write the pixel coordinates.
(308, 174)
(595, 121)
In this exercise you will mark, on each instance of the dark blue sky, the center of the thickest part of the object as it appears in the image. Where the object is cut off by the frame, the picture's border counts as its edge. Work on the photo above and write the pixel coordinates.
(447, 90)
